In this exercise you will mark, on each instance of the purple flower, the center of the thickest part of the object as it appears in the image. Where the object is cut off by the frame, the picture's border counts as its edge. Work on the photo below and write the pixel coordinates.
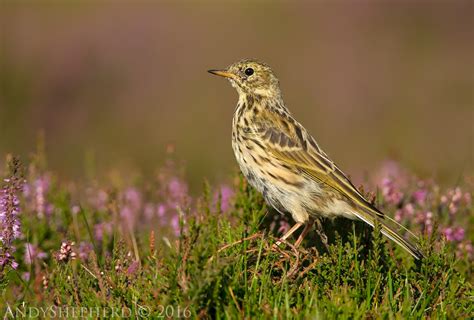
(26, 276)
(459, 234)
(9, 210)
(97, 199)
(177, 188)
(14, 264)
(36, 196)
(7, 259)
(128, 215)
(102, 228)
(133, 268)
(133, 198)
(225, 193)
(32, 253)
(41, 187)
(448, 233)
(173, 199)
(85, 248)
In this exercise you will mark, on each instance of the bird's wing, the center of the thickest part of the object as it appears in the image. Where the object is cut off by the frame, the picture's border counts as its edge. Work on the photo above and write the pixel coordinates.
(289, 142)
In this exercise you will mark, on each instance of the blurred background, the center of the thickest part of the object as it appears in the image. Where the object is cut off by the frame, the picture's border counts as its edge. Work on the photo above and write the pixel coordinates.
(121, 84)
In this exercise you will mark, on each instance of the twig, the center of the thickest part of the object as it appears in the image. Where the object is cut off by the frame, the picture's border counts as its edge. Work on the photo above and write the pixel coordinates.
(227, 246)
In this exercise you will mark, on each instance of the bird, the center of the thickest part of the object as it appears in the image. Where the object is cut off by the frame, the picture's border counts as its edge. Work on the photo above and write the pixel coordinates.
(281, 159)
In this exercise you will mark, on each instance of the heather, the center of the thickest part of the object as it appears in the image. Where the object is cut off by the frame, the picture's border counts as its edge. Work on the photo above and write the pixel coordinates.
(146, 245)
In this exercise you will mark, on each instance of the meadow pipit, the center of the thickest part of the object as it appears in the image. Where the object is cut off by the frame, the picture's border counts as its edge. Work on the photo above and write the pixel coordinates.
(283, 161)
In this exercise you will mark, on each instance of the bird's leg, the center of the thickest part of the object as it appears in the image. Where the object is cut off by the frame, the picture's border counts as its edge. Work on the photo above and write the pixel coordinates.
(303, 234)
(322, 235)
(289, 233)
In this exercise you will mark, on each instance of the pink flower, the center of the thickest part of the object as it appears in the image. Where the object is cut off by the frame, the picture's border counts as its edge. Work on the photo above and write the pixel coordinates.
(177, 189)
(133, 198)
(429, 222)
(459, 234)
(453, 208)
(409, 209)
(75, 209)
(448, 233)
(444, 199)
(467, 198)
(66, 252)
(390, 193)
(454, 199)
(389, 169)
(454, 234)
(425, 219)
(149, 211)
(457, 196)
(131, 206)
(128, 215)
(161, 210)
(464, 249)
(398, 215)
(420, 196)
(175, 225)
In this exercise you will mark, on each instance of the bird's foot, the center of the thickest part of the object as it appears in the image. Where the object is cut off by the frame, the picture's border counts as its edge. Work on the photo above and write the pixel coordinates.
(321, 234)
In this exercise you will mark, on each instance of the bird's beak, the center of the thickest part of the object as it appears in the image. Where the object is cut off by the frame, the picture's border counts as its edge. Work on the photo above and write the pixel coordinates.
(222, 73)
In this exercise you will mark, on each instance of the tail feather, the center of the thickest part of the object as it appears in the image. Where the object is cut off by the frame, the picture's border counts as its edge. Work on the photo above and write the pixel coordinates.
(401, 241)
(392, 234)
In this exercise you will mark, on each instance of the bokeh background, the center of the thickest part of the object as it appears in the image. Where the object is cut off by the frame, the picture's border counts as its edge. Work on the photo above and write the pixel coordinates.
(120, 84)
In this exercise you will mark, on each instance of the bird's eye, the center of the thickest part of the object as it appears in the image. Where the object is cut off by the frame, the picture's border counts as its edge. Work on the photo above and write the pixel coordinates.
(249, 71)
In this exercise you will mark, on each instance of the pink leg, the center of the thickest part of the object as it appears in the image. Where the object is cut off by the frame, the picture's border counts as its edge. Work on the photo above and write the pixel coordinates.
(303, 234)
(290, 232)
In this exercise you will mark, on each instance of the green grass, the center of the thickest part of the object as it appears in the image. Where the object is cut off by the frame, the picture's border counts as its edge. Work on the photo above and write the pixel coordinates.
(224, 265)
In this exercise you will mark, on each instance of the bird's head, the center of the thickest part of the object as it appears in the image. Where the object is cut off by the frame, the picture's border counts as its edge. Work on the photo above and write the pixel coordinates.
(251, 77)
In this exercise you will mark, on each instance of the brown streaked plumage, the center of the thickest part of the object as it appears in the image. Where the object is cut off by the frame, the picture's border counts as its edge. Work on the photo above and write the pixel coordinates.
(283, 161)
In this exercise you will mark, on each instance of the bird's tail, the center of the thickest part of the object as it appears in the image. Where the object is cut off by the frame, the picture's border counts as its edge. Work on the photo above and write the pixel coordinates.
(406, 244)
(409, 245)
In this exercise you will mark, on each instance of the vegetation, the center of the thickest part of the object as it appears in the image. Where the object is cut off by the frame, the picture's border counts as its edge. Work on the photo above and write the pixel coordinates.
(147, 249)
